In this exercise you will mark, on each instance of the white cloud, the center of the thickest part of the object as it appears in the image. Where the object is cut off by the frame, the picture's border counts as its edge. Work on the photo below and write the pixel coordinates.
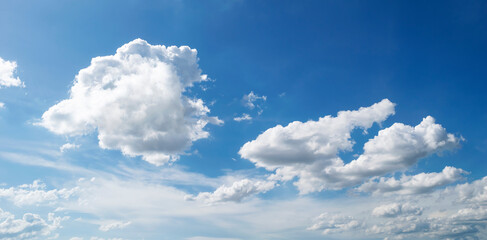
(235, 193)
(250, 99)
(410, 227)
(127, 200)
(471, 214)
(417, 184)
(437, 215)
(35, 193)
(313, 140)
(99, 238)
(328, 223)
(144, 198)
(396, 209)
(442, 214)
(465, 223)
(310, 150)
(68, 146)
(114, 225)
(147, 204)
(7, 71)
(244, 117)
(95, 238)
(474, 192)
(136, 100)
(2, 105)
(210, 238)
(30, 226)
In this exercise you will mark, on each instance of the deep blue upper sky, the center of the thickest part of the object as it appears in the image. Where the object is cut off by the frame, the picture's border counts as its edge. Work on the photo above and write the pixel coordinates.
(427, 57)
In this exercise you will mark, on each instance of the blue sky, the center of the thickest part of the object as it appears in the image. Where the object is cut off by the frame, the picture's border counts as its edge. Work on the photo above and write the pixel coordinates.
(279, 120)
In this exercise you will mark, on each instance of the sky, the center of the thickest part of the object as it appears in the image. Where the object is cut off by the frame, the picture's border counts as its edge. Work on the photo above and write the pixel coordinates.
(241, 119)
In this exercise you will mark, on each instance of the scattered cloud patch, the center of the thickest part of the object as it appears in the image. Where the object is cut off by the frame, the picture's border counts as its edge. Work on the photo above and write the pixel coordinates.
(234, 193)
(7, 72)
(2, 105)
(244, 117)
(137, 102)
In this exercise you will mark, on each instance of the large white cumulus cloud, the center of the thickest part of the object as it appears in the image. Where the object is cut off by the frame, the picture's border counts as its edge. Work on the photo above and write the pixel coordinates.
(312, 141)
(136, 101)
(310, 150)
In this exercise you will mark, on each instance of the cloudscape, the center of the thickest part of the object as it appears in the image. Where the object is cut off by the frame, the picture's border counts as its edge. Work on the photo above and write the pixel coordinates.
(243, 120)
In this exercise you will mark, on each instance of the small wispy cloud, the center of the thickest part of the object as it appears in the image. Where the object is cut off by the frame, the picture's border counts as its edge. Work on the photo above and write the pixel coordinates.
(68, 146)
(250, 99)
(244, 117)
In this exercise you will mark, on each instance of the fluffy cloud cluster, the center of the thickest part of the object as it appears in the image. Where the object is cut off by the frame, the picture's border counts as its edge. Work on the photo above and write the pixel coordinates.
(458, 212)
(7, 72)
(406, 222)
(95, 238)
(35, 193)
(210, 238)
(328, 223)
(466, 223)
(234, 193)
(30, 226)
(417, 184)
(310, 150)
(114, 225)
(396, 209)
(136, 101)
(475, 192)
